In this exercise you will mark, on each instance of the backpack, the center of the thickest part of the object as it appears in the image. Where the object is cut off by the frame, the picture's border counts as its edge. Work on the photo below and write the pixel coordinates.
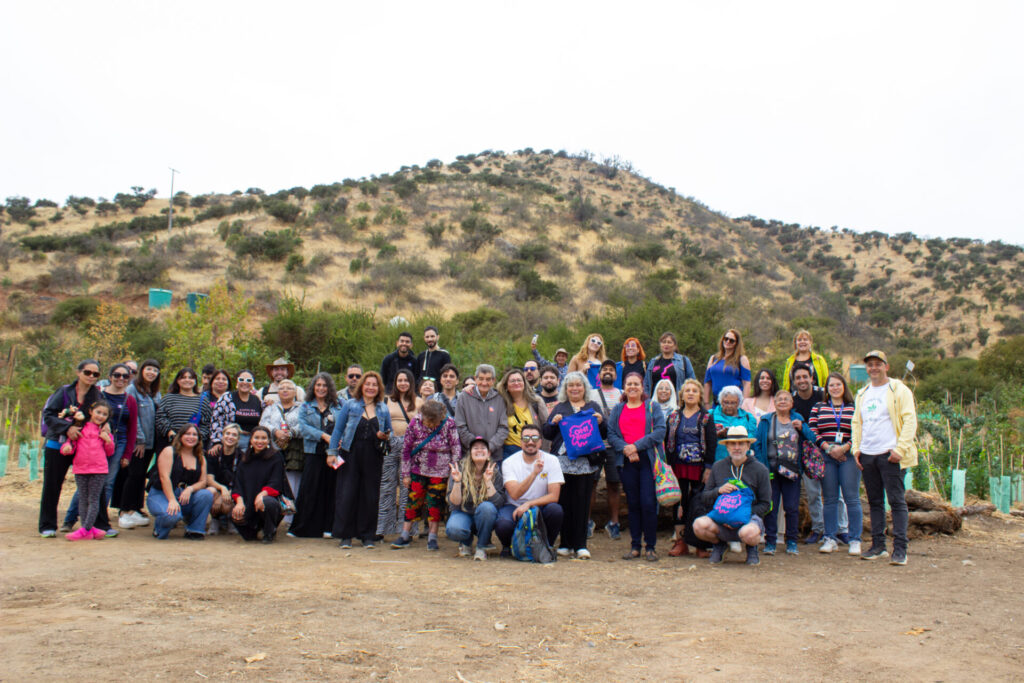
(530, 539)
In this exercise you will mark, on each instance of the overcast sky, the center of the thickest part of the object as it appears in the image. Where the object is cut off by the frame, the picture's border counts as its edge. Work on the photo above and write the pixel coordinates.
(889, 116)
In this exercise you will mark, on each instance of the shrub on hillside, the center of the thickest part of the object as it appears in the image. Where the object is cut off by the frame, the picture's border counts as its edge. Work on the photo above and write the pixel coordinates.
(282, 210)
(74, 310)
(19, 210)
(477, 232)
(272, 245)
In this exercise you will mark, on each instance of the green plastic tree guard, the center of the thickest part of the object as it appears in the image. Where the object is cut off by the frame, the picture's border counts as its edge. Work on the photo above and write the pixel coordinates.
(959, 488)
(1004, 494)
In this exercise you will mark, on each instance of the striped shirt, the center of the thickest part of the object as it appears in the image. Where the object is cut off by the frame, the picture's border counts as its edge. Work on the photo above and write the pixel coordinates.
(826, 421)
(176, 411)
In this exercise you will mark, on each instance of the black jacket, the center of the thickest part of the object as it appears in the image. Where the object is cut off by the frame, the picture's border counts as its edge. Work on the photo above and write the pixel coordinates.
(429, 363)
(390, 366)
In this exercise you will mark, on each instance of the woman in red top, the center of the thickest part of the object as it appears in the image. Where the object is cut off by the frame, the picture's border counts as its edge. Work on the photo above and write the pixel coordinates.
(636, 432)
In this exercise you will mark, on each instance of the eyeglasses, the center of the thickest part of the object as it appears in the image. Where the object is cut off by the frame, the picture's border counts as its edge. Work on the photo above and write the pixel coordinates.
(120, 375)
(354, 376)
(245, 380)
(90, 373)
(535, 437)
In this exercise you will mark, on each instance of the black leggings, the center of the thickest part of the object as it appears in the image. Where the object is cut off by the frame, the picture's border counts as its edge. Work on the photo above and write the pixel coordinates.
(575, 502)
(130, 484)
(265, 521)
(55, 468)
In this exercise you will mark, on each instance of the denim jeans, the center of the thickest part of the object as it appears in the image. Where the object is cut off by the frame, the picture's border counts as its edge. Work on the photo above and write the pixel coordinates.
(641, 501)
(194, 512)
(883, 478)
(462, 526)
(788, 492)
(815, 508)
(113, 465)
(845, 477)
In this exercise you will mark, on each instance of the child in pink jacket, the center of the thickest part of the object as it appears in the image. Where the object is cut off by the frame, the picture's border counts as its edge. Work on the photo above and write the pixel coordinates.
(91, 450)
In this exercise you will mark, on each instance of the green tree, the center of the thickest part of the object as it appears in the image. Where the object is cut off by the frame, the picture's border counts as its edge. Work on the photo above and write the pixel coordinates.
(215, 333)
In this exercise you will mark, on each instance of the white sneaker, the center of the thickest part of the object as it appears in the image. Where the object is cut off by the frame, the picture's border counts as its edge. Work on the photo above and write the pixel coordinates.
(125, 521)
(854, 547)
(828, 546)
(735, 547)
(582, 554)
(564, 552)
(139, 518)
(464, 550)
(480, 555)
(214, 527)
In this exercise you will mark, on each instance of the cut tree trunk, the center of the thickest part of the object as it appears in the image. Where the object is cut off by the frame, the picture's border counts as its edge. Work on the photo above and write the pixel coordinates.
(979, 509)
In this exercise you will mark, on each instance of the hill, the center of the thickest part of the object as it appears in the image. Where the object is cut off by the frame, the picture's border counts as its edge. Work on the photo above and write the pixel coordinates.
(557, 236)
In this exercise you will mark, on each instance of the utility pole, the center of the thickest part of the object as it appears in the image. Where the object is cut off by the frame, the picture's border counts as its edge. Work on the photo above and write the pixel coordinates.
(170, 213)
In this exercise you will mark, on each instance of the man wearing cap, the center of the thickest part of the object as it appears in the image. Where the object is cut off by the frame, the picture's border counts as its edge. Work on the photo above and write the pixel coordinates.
(884, 427)
(561, 360)
(399, 359)
(744, 467)
(433, 358)
(280, 369)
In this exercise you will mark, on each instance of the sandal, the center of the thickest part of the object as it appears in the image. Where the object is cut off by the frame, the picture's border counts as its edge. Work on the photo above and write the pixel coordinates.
(632, 554)
(651, 556)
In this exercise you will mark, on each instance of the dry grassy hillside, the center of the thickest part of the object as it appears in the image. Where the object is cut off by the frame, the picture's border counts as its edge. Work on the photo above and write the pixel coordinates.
(559, 233)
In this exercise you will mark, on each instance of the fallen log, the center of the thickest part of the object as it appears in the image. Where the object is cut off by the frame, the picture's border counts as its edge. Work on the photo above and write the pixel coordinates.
(979, 509)
(921, 500)
(935, 521)
(1016, 513)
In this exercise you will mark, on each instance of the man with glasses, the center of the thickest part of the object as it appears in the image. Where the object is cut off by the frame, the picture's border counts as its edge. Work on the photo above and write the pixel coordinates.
(531, 370)
(353, 374)
(532, 478)
(433, 358)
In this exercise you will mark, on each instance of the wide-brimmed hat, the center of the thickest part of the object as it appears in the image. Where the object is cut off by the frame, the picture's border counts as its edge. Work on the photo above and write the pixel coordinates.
(737, 434)
(561, 351)
(282, 363)
(880, 355)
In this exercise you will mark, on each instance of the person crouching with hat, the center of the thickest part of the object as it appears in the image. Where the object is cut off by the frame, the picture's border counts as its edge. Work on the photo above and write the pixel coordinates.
(280, 369)
(742, 466)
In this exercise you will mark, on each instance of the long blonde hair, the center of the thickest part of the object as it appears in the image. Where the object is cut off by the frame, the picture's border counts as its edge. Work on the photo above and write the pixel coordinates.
(584, 357)
(471, 491)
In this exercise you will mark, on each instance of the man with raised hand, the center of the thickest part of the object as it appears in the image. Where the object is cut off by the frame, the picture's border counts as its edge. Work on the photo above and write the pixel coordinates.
(884, 429)
(532, 478)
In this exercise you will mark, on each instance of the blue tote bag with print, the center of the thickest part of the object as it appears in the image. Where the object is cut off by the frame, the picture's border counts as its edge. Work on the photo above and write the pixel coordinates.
(580, 434)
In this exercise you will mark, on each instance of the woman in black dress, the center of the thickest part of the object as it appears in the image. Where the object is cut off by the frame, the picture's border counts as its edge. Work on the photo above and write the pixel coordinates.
(359, 440)
(315, 514)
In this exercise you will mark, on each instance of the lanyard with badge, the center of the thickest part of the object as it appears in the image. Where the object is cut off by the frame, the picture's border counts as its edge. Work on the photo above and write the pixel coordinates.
(839, 421)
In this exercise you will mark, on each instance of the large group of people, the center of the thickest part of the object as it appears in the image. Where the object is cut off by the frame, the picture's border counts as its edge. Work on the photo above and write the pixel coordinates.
(399, 454)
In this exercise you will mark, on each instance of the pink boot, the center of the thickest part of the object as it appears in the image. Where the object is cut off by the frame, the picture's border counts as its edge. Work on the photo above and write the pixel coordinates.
(79, 534)
(98, 534)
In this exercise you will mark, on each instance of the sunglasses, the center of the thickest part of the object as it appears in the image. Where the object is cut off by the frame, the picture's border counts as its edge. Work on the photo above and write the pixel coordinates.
(245, 380)
(354, 376)
(595, 340)
(531, 438)
(729, 339)
(120, 375)
(528, 369)
(90, 373)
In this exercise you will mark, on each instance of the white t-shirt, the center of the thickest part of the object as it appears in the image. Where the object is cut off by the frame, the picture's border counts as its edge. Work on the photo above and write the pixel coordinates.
(515, 469)
(878, 435)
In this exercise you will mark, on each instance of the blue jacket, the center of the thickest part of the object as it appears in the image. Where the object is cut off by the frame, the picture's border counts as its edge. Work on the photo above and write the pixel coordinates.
(347, 420)
(653, 442)
(684, 371)
(146, 429)
(764, 426)
(309, 424)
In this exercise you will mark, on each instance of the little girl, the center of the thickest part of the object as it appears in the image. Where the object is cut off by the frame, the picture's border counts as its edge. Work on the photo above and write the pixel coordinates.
(91, 451)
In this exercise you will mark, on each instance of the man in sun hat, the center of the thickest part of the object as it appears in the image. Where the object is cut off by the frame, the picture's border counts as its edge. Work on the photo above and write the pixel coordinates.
(884, 427)
(561, 359)
(744, 467)
(277, 371)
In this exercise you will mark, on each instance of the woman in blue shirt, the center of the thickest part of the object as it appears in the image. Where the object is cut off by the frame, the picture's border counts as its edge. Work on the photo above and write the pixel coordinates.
(729, 367)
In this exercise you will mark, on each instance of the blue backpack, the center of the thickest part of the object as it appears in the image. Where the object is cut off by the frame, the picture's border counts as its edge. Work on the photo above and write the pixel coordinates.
(530, 539)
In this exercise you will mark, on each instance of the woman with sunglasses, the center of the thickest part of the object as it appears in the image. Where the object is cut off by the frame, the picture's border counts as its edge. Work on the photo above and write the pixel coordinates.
(60, 424)
(123, 423)
(729, 367)
(182, 406)
(132, 480)
(589, 358)
(241, 407)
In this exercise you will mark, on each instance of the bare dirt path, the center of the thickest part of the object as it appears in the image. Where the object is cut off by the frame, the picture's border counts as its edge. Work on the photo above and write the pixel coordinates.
(184, 610)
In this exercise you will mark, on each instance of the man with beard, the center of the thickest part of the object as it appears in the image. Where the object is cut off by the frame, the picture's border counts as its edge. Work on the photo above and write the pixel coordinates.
(531, 371)
(433, 358)
(549, 379)
(399, 359)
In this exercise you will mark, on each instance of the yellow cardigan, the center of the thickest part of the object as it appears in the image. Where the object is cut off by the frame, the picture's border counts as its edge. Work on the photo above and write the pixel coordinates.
(900, 402)
(820, 368)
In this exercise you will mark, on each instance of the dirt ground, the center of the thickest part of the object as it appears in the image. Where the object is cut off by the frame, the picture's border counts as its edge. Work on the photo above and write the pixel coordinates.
(305, 610)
